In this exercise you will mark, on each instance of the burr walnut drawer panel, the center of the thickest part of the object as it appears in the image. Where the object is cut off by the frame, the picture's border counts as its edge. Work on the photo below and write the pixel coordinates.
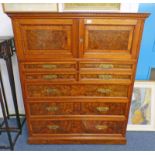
(55, 90)
(103, 108)
(76, 108)
(54, 108)
(91, 65)
(76, 126)
(49, 66)
(55, 76)
(105, 76)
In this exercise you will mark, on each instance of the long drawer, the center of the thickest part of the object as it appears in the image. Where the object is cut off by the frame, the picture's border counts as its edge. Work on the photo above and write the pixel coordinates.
(83, 126)
(47, 108)
(90, 90)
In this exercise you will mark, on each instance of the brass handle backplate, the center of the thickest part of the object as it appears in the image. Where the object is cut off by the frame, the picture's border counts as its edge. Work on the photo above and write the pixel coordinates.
(52, 108)
(106, 66)
(103, 90)
(49, 66)
(51, 90)
(48, 77)
(102, 109)
(53, 127)
(106, 77)
(101, 127)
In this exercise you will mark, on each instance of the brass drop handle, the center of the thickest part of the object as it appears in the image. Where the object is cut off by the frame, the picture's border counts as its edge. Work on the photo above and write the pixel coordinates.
(81, 40)
(52, 108)
(106, 66)
(104, 90)
(49, 66)
(107, 77)
(102, 109)
(51, 90)
(48, 77)
(53, 127)
(101, 127)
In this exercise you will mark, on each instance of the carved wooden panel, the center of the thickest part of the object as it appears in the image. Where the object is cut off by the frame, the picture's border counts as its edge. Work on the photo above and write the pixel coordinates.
(76, 126)
(102, 90)
(76, 108)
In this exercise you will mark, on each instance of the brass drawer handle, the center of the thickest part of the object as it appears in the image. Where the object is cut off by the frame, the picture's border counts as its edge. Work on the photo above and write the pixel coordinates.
(106, 66)
(53, 127)
(103, 90)
(52, 108)
(106, 77)
(101, 127)
(48, 77)
(51, 90)
(102, 109)
(49, 66)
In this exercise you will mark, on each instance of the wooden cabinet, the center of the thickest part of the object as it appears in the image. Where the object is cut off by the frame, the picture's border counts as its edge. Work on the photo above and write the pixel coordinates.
(77, 72)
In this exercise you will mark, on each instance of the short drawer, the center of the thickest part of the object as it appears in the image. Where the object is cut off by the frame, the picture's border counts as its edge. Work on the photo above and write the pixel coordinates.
(55, 76)
(98, 90)
(105, 65)
(76, 127)
(49, 66)
(76, 108)
(104, 76)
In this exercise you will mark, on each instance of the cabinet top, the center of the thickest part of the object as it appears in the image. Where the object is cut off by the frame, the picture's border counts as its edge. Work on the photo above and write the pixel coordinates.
(76, 15)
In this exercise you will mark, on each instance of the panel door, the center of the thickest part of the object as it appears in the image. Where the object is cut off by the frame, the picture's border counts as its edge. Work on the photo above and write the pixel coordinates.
(107, 38)
(45, 38)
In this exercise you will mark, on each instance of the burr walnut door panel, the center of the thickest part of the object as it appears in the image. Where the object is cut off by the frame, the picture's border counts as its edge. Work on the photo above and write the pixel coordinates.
(106, 38)
(46, 38)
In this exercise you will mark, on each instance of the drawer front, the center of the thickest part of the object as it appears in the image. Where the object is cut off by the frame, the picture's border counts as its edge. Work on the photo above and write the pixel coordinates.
(46, 108)
(76, 108)
(49, 66)
(102, 90)
(104, 76)
(105, 66)
(103, 108)
(50, 76)
(76, 126)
